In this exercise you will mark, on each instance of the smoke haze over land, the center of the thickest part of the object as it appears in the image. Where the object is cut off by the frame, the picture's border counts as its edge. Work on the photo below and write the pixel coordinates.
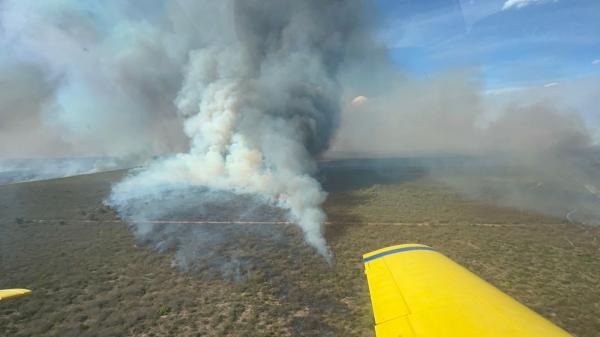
(530, 148)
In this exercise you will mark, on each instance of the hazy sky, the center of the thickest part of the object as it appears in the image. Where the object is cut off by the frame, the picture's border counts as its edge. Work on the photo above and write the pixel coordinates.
(538, 49)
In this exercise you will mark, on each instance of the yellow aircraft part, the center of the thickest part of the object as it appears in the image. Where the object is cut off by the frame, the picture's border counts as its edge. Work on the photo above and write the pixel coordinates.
(418, 292)
(12, 293)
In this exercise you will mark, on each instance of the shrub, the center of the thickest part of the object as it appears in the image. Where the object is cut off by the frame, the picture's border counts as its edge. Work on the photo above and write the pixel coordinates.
(164, 310)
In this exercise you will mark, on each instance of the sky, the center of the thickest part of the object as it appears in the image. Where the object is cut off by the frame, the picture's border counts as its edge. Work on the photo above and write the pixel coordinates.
(515, 43)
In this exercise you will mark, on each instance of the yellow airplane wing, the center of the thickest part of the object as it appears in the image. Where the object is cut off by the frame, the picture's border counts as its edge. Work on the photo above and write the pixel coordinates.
(12, 293)
(418, 292)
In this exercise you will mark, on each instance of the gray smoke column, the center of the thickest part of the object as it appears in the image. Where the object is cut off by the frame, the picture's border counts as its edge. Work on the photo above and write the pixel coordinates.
(259, 100)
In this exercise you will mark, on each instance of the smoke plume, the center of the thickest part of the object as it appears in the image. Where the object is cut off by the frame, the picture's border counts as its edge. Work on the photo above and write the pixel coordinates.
(98, 80)
(250, 86)
(258, 103)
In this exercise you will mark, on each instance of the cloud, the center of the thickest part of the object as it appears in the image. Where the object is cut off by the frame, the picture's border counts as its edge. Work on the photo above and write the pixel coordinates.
(550, 85)
(523, 3)
(597, 61)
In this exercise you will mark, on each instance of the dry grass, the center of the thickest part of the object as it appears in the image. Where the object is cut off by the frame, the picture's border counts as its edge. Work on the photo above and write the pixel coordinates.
(91, 279)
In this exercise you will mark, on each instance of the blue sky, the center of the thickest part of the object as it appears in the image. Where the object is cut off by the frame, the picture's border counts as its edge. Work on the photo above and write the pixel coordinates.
(515, 43)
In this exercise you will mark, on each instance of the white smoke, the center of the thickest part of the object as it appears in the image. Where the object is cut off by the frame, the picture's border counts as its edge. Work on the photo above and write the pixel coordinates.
(257, 108)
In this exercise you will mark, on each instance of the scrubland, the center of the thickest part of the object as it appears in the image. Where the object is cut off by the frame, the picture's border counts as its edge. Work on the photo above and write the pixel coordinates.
(90, 277)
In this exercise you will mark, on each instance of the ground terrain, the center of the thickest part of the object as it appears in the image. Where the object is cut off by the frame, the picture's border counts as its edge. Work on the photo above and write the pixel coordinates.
(90, 277)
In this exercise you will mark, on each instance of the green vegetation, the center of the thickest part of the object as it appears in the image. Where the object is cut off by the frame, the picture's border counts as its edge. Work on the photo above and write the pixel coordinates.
(164, 310)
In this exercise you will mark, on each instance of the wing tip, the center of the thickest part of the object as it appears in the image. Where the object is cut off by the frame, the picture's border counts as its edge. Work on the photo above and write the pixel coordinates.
(12, 293)
(381, 252)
